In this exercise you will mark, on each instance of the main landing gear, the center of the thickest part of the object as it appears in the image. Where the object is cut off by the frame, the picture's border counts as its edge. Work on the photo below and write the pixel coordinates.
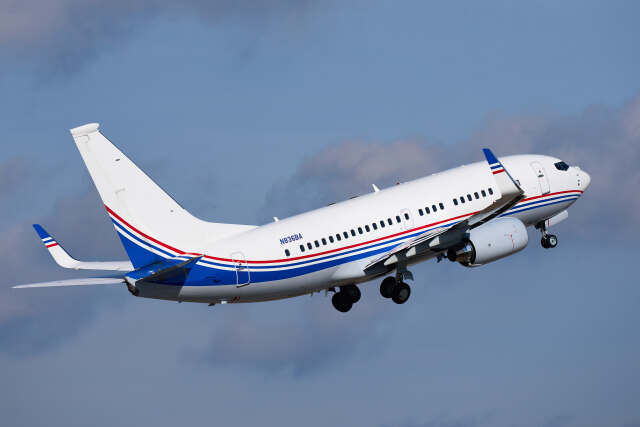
(398, 291)
(344, 299)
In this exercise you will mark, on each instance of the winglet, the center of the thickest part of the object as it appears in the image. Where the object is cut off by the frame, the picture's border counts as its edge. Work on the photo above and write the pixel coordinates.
(494, 163)
(63, 259)
(60, 256)
(505, 182)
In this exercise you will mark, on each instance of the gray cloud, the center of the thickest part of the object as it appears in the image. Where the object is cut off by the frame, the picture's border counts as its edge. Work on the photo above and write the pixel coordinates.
(304, 338)
(603, 141)
(65, 33)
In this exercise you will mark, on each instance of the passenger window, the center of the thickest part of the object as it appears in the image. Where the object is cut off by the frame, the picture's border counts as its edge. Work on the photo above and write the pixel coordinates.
(346, 235)
(353, 232)
(433, 207)
(360, 230)
(382, 224)
(301, 248)
(427, 210)
(287, 253)
(398, 219)
(338, 237)
(441, 205)
(389, 221)
(375, 226)
(469, 197)
(366, 227)
(317, 244)
(490, 190)
(309, 246)
(421, 212)
(324, 241)
(331, 239)
(477, 195)
(462, 199)
(483, 193)
(406, 216)
(455, 202)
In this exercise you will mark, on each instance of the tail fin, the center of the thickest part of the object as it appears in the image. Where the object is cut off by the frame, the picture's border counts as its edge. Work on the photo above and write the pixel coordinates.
(151, 225)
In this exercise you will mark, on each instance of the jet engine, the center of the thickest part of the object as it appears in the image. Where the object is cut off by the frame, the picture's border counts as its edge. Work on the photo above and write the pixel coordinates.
(489, 242)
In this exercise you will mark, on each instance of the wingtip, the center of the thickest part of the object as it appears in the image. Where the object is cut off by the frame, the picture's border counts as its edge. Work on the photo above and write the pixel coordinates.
(42, 233)
(488, 154)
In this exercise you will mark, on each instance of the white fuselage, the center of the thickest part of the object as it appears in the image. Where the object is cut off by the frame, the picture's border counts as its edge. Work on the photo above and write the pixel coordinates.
(330, 246)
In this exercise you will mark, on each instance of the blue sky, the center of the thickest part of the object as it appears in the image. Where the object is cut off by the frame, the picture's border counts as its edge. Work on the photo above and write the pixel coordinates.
(243, 111)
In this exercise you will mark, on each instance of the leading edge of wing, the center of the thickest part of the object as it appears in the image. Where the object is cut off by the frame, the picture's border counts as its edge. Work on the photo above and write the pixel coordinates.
(73, 282)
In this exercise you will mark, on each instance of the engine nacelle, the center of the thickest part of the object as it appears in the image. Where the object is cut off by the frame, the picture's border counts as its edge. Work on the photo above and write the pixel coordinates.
(490, 242)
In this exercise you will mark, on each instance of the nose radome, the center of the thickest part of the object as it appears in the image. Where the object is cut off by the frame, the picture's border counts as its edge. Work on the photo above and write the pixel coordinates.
(586, 179)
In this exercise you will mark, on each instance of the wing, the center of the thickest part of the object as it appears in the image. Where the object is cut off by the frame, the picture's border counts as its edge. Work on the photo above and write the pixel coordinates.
(73, 282)
(63, 259)
(432, 242)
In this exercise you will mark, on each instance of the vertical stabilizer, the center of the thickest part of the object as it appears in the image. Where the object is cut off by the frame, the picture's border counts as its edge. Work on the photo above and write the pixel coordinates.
(150, 223)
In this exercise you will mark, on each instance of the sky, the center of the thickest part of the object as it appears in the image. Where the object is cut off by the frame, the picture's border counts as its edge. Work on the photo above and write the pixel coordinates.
(247, 110)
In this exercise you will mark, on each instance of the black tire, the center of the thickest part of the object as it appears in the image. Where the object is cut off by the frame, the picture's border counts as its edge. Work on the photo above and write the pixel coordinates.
(401, 293)
(353, 292)
(552, 240)
(386, 287)
(341, 302)
(544, 243)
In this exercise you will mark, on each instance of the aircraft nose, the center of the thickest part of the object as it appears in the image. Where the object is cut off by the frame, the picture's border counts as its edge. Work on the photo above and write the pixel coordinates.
(585, 179)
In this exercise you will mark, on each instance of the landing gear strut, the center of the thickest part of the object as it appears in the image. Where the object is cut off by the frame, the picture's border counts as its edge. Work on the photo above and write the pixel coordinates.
(398, 291)
(344, 299)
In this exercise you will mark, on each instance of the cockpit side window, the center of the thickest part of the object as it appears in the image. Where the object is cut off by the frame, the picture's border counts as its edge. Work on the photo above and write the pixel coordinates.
(561, 166)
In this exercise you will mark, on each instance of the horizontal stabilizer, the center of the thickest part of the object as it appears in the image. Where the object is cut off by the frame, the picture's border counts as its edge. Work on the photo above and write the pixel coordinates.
(63, 259)
(73, 282)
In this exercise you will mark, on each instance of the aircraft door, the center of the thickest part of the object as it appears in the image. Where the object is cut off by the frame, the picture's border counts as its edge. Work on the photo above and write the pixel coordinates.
(542, 177)
(407, 219)
(243, 275)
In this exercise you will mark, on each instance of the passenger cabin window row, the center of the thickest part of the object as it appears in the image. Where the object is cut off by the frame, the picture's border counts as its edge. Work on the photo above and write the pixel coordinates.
(475, 195)
(338, 237)
(374, 226)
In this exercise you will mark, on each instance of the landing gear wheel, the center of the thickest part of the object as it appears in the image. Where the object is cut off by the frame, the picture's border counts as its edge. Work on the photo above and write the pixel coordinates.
(549, 241)
(401, 293)
(352, 292)
(386, 287)
(341, 302)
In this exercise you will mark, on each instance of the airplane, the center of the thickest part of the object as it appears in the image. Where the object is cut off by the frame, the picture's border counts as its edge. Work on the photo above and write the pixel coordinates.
(473, 214)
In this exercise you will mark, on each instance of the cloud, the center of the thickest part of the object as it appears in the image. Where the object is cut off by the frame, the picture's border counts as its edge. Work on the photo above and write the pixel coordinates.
(67, 33)
(603, 141)
(304, 337)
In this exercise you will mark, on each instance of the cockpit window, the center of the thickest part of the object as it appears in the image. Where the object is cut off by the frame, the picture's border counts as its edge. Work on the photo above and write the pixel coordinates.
(561, 166)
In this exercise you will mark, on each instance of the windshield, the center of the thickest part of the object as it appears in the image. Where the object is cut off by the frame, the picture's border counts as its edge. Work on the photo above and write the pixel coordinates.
(562, 166)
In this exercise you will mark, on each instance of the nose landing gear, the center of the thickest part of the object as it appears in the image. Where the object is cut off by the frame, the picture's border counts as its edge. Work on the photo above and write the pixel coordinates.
(548, 241)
